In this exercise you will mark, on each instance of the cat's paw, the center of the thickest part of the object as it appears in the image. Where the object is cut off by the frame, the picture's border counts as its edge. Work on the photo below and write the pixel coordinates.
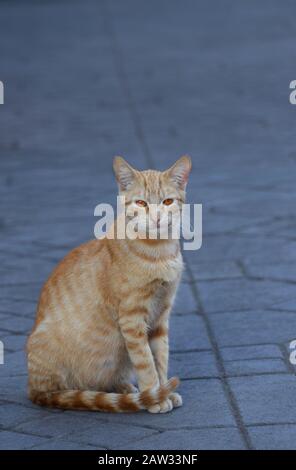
(176, 399)
(163, 407)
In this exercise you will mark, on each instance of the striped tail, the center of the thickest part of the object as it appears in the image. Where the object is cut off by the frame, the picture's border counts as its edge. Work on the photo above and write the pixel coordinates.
(101, 401)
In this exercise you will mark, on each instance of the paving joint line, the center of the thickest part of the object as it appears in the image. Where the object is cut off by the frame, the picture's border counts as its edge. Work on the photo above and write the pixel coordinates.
(123, 79)
(223, 376)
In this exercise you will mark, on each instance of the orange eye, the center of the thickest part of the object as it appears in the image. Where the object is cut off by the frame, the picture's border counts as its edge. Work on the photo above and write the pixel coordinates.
(168, 202)
(141, 203)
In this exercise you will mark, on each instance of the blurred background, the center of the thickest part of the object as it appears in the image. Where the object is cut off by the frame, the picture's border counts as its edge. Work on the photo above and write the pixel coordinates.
(86, 80)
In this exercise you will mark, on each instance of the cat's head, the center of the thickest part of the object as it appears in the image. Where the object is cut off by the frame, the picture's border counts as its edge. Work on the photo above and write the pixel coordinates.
(156, 197)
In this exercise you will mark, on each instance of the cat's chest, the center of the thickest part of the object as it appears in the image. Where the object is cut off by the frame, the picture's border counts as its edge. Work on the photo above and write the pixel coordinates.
(167, 271)
(160, 300)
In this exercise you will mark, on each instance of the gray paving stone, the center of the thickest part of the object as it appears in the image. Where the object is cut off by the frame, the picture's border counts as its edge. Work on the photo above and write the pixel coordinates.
(185, 302)
(60, 444)
(4, 316)
(13, 414)
(14, 389)
(231, 295)
(204, 404)
(15, 441)
(14, 363)
(83, 428)
(270, 351)
(255, 366)
(283, 226)
(223, 248)
(252, 328)
(276, 437)
(26, 291)
(203, 271)
(61, 424)
(193, 365)
(266, 399)
(225, 223)
(21, 269)
(16, 324)
(277, 270)
(188, 332)
(276, 207)
(14, 342)
(20, 307)
(185, 275)
(111, 436)
(193, 439)
(286, 305)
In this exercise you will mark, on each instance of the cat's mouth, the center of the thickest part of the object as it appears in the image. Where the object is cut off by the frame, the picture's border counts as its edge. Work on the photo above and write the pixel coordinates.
(159, 225)
(153, 229)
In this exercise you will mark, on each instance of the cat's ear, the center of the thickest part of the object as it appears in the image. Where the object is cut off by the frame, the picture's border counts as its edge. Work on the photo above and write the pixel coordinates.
(179, 172)
(124, 173)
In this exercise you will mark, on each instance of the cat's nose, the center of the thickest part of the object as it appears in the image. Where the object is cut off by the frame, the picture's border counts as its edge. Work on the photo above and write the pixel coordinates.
(156, 220)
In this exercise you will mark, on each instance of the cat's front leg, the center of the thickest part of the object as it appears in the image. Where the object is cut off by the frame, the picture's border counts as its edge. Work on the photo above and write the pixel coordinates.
(134, 331)
(159, 344)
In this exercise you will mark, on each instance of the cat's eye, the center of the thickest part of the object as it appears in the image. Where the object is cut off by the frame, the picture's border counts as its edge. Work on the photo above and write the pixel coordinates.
(168, 202)
(141, 203)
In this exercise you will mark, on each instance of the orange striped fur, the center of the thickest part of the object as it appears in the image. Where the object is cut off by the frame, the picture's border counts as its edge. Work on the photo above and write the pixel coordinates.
(104, 312)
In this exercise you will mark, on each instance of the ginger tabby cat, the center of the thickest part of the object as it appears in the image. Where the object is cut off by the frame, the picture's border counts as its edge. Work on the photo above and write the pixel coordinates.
(104, 311)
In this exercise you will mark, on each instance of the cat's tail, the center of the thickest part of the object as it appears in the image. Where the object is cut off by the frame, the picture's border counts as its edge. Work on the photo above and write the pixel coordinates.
(102, 401)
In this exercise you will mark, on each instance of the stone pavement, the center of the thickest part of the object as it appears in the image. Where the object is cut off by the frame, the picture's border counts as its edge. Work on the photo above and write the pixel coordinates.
(152, 80)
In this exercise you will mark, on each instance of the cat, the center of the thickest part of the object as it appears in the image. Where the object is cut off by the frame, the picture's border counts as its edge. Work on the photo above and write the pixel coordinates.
(104, 311)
